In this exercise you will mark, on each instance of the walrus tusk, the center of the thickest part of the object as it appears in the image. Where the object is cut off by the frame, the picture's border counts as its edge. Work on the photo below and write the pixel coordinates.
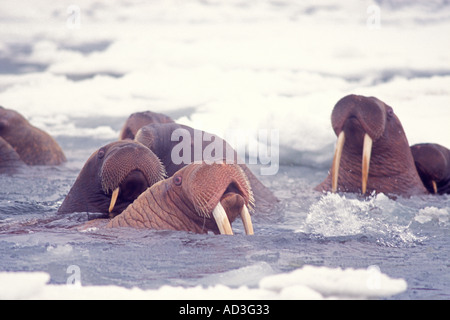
(247, 220)
(367, 153)
(221, 218)
(337, 161)
(114, 196)
(435, 187)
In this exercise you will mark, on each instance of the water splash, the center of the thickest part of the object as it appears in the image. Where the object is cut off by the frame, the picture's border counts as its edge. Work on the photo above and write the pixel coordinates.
(377, 217)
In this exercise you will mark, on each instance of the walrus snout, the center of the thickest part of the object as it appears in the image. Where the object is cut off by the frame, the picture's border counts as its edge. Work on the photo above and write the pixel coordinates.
(370, 112)
(198, 198)
(233, 204)
(433, 165)
(112, 178)
(128, 170)
(213, 185)
(129, 189)
(364, 118)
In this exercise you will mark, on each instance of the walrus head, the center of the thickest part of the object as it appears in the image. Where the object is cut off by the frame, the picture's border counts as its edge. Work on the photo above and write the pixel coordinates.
(372, 151)
(198, 198)
(34, 146)
(158, 138)
(178, 145)
(433, 164)
(139, 119)
(112, 178)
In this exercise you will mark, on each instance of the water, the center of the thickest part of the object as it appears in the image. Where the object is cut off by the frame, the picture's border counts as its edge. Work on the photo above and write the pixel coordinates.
(406, 238)
(218, 66)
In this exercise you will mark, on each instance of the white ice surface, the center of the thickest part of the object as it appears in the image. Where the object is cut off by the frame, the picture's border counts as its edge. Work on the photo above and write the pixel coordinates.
(261, 65)
(307, 283)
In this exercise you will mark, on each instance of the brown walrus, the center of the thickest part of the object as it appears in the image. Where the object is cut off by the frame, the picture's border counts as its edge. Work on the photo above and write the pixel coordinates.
(9, 159)
(159, 138)
(372, 151)
(139, 119)
(433, 164)
(30, 144)
(112, 178)
(198, 198)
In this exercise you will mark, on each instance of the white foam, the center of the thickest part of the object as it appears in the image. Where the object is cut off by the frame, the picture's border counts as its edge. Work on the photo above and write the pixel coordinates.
(60, 249)
(339, 215)
(432, 213)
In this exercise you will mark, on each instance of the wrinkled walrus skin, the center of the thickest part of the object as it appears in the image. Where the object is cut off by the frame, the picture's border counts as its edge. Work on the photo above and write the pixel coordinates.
(198, 198)
(158, 137)
(112, 178)
(372, 152)
(21, 143)
(433, 164)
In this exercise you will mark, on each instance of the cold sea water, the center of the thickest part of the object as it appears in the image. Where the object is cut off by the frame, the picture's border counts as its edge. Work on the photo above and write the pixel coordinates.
(78, 70)
(404, 238)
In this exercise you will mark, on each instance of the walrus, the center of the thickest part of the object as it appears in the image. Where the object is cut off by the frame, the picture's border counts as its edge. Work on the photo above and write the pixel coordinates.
(164, 140)
(9, 159)
(433, 165)
(32, 145)
(139, 119)
(372, 152)
(112, 178)
(198, 198)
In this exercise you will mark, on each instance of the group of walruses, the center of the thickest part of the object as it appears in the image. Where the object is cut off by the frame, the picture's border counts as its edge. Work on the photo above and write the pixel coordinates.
(135, 182)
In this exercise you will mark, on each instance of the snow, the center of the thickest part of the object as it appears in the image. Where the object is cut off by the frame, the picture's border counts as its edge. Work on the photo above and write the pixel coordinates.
(348, 283)
(306, 283)
(259, 65)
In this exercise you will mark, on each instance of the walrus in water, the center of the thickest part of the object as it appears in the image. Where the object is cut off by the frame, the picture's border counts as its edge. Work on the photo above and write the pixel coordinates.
(372, 151)
(433, 164)
(21, 143)
(9, 159)
(139, 119)
(198, 198)
(164, 140)
(112, 178)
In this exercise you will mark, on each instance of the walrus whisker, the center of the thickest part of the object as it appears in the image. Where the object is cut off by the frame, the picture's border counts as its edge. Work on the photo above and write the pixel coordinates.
(337, 161)
(367, 153)
(202, 206)
(221, 218)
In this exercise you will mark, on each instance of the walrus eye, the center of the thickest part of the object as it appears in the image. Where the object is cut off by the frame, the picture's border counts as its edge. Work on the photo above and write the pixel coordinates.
(390, 112)
(177, 180)
(3, 124)
(101, 154)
